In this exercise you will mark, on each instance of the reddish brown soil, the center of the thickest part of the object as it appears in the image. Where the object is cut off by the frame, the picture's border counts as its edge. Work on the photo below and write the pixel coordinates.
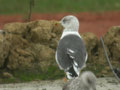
(97, 23)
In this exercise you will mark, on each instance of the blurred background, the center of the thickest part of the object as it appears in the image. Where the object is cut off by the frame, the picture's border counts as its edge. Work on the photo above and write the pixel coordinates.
(58, 6)
(96, 16)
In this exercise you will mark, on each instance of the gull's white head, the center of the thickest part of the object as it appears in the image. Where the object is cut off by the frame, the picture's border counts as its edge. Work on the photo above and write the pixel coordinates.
(70, 23)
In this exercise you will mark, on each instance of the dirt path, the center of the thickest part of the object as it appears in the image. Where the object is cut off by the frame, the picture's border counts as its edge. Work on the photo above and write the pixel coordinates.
(102, 84)
(97, 23)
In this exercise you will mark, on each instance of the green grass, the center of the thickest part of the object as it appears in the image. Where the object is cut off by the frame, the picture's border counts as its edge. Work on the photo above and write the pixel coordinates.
(52, 73)
(58, 6)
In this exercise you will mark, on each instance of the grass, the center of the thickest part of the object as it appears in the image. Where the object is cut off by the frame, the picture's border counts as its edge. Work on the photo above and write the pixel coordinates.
(52, 73)
(58, 6)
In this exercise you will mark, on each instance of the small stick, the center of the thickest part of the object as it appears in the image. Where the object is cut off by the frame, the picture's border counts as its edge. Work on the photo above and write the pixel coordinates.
(30, 10)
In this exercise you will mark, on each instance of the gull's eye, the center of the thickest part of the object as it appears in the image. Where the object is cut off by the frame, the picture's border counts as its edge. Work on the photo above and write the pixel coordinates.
(64, 20)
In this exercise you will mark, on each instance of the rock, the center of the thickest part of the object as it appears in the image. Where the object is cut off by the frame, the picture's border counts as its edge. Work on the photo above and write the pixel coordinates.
(45, 56)
(91, 42)
(15, 28)
(1, 50)
(30, 45)
(20, 55)
(112, 41)
(96, 57)
(4, 49)
(112, 45)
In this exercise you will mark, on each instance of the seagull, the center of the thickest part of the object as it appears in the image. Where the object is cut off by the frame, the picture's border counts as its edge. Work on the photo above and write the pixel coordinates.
(71, 54)
(86, 81)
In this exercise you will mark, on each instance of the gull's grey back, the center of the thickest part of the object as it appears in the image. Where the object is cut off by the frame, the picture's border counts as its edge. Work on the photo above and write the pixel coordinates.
(74, 43)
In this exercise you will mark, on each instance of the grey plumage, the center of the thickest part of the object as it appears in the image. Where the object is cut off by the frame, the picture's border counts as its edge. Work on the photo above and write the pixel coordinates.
(77, 53)
(87, 81)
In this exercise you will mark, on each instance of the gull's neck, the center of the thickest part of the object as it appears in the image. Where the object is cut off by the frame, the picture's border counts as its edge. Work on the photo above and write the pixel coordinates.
(70, 31)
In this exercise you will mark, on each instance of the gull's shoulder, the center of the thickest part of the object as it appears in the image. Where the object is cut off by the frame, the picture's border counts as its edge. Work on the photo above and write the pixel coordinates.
(69, 33)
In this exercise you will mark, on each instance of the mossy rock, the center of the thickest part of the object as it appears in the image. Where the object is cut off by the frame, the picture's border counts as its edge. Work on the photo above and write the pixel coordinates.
(27, 51)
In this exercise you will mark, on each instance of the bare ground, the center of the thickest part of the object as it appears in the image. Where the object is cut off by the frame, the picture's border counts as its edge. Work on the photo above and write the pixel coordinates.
(98, 23)
(108, 83)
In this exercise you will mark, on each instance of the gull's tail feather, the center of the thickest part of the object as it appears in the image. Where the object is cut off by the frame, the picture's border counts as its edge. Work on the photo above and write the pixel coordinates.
(71, 73)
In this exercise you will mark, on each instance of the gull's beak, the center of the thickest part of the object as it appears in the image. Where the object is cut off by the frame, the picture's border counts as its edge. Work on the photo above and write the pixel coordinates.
(57, 23)
(61, 22)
